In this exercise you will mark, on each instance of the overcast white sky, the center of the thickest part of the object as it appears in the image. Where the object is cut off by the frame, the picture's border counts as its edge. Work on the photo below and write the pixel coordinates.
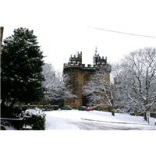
(62, 26)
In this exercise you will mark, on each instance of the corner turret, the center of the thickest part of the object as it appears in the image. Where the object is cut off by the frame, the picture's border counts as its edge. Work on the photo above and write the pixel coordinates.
(97, 60)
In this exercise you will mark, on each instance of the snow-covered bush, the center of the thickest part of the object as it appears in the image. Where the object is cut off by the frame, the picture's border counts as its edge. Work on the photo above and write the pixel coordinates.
(31, 112)
(34, 119)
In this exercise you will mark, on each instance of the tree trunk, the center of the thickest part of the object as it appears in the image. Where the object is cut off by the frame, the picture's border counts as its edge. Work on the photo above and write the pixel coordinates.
(113, 110)
(113, 113)
(145, 116)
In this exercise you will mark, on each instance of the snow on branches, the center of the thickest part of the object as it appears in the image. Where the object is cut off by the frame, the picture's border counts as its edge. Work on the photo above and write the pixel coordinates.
(135, 80)
(98, 89)
(55, 85)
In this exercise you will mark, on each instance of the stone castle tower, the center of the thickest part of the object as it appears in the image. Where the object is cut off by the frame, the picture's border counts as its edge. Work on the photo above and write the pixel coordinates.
(80, 74)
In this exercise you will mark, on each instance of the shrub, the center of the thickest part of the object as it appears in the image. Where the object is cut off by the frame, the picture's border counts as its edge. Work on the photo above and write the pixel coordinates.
(34, 119)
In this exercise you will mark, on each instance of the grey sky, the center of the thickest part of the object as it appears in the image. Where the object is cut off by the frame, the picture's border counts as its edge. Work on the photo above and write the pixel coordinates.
(62, 26)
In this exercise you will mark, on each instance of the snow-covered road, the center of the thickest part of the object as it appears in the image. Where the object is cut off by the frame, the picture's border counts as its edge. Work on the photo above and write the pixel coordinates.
(110, 126)
(82, 120)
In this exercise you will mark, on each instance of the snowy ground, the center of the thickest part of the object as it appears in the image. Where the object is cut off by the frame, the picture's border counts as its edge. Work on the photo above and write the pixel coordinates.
(95, 120)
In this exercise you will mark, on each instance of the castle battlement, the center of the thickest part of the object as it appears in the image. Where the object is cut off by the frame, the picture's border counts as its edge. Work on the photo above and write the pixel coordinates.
(83, 66)
(76, 61)
(76, 58)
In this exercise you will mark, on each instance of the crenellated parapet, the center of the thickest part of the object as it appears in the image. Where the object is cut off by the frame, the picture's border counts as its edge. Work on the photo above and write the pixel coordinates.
(98, 62)
(77, 59)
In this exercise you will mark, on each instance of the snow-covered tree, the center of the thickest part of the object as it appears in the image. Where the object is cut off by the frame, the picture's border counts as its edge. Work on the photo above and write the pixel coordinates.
(55, 85)
(21, 63)
(98, 89)
(136, 77)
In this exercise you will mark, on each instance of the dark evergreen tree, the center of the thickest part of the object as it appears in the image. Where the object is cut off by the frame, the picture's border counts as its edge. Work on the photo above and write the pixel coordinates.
(21, 63)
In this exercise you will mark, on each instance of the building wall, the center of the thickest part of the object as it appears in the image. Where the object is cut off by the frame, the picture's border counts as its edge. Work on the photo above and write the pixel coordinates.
(75, 83)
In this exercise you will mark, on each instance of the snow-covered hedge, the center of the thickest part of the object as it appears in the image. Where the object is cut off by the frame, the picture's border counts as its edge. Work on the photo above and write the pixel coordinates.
(36, 112)
(34, 119)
